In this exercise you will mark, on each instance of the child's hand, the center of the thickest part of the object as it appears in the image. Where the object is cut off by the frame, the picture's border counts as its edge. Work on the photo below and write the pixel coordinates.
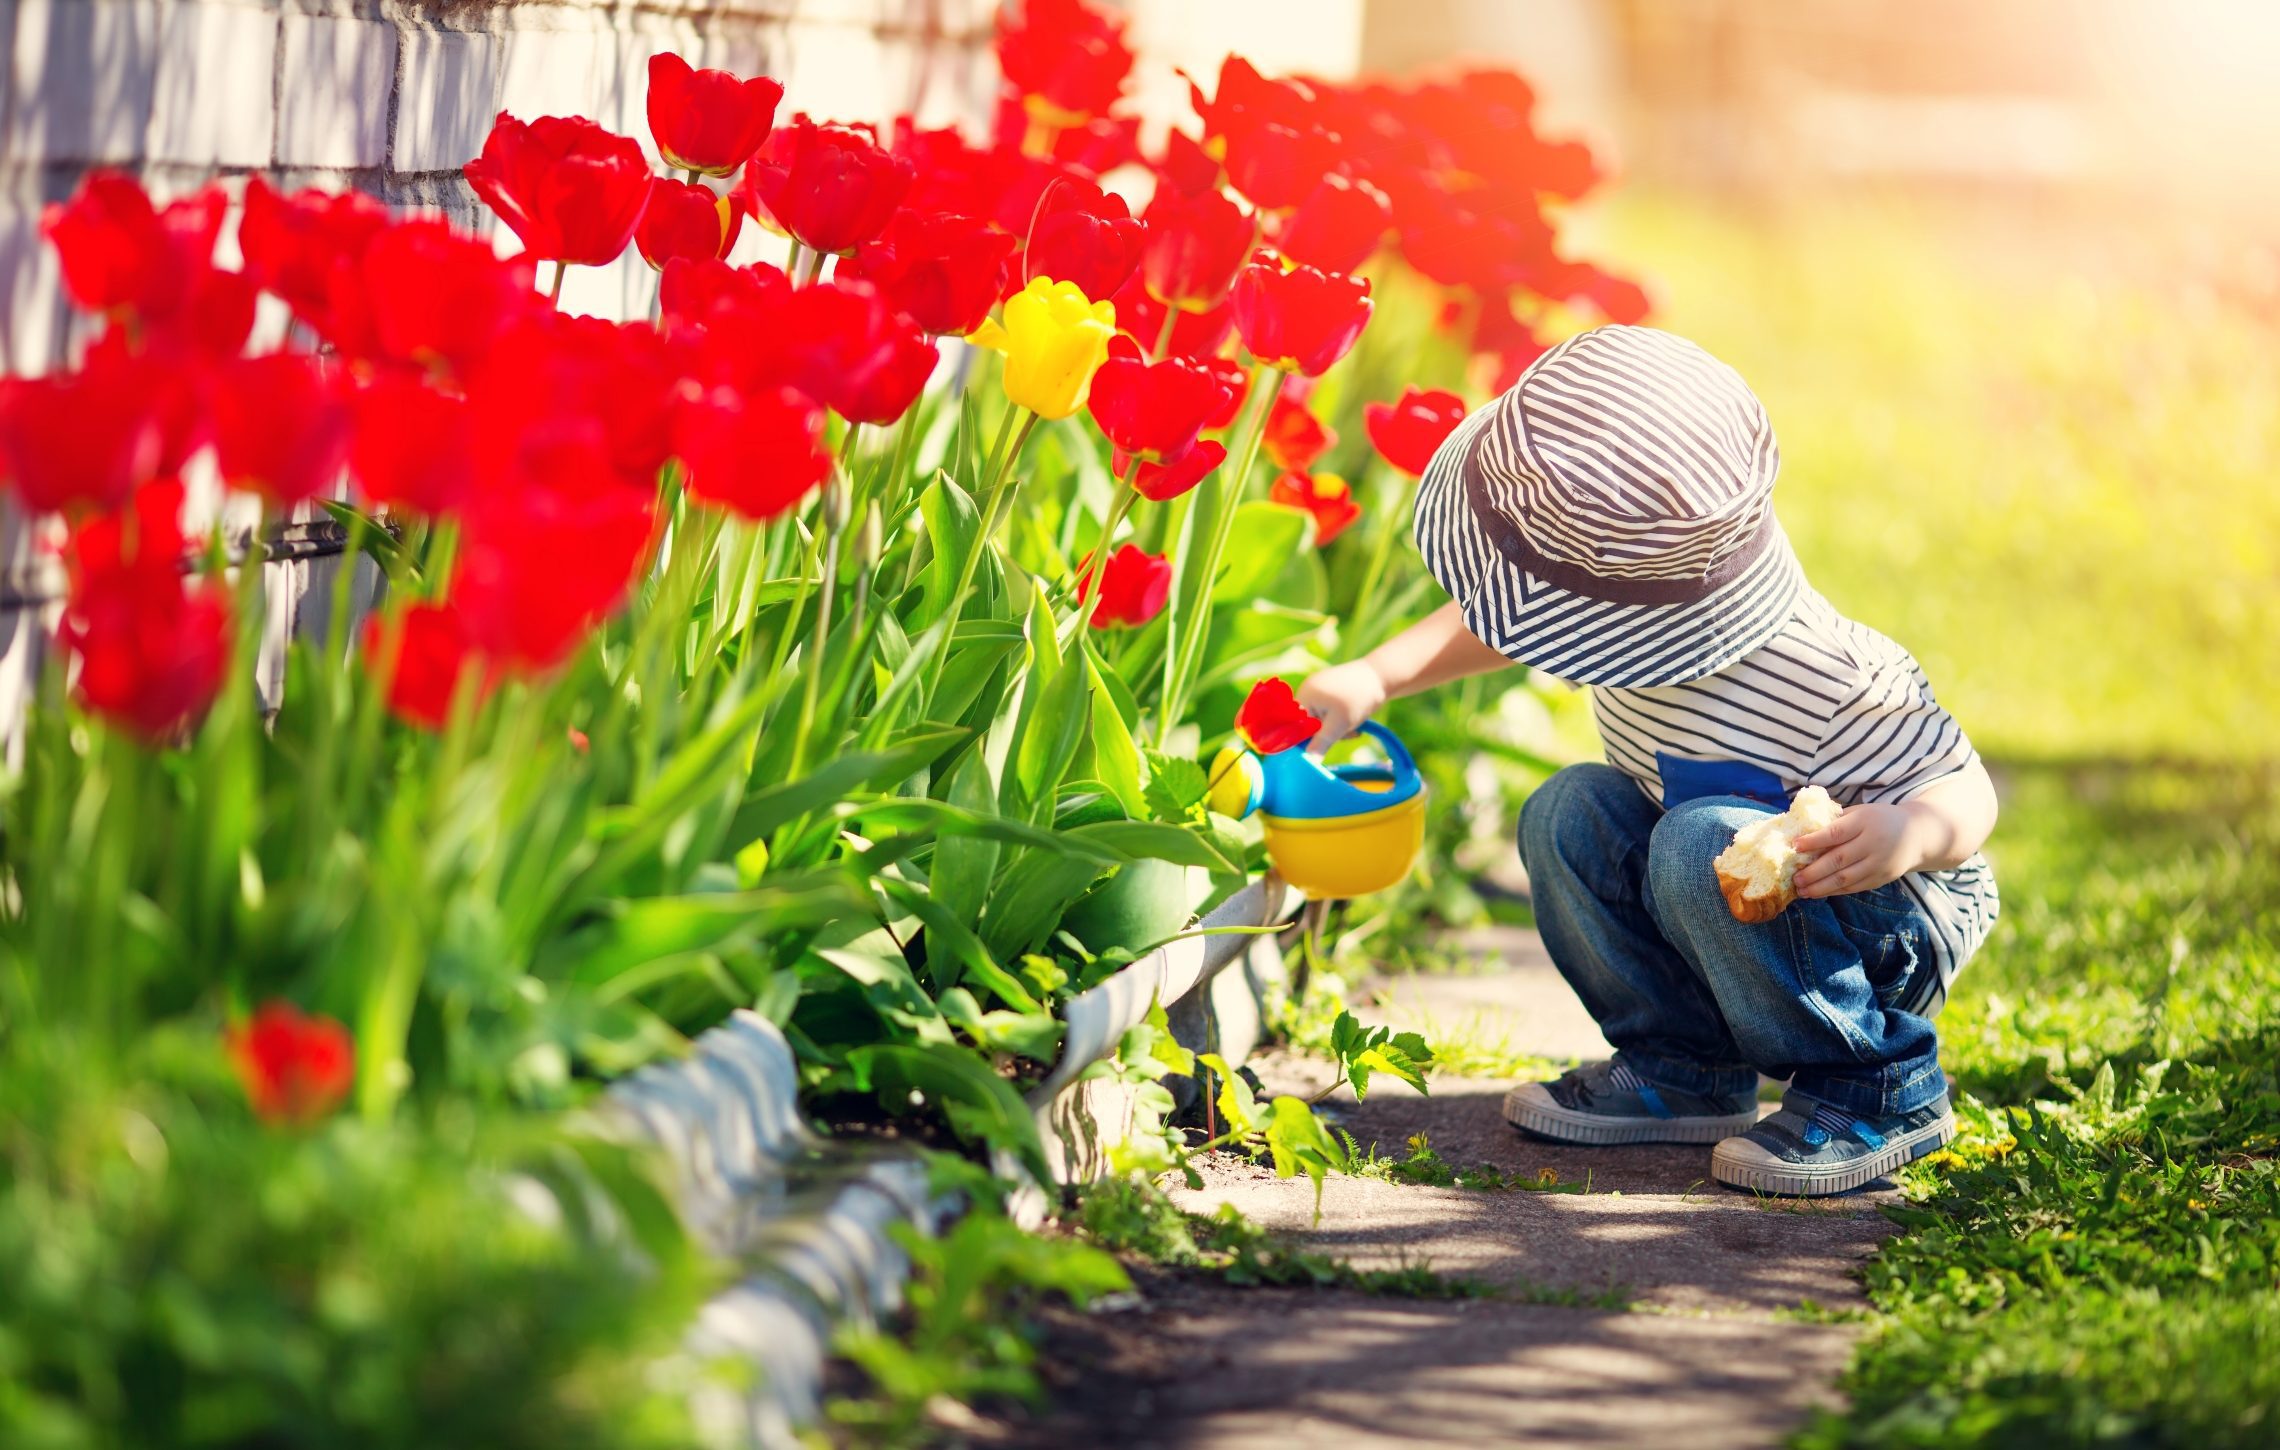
(1869, 845)
(1342, 697)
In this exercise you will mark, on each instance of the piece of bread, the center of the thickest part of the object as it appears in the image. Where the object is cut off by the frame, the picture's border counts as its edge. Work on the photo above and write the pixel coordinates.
(1756, 871)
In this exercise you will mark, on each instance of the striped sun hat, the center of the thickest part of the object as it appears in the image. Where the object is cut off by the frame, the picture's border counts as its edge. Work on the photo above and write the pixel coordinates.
(1609, 519)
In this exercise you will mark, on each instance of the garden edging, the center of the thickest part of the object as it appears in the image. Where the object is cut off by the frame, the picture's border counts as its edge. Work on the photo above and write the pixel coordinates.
(813, 1216)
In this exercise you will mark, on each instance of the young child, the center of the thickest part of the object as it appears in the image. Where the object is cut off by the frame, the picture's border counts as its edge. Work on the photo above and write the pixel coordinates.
(1609, 521)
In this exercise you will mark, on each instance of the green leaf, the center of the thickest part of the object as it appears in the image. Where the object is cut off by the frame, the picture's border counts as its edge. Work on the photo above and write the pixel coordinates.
(1116, 759)
(1034, 1035)
(832, 781)
(953, 527)
(1297, 1142)
(1031, 898)
(1056, 716)
(948, 942)
(963, 865)
(1155, 841)
(980, 1105)
(1267, 537)
(635, 934)
(1177, 786)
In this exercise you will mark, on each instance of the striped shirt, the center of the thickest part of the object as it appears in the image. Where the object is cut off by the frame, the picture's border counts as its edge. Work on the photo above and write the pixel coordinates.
(1827, 702)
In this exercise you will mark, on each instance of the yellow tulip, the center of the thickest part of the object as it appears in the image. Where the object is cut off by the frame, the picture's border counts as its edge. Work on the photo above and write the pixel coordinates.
(1054, 339)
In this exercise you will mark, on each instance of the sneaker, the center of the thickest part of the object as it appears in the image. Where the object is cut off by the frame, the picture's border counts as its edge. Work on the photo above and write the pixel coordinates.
(1810, 1148)
(1606, 1102)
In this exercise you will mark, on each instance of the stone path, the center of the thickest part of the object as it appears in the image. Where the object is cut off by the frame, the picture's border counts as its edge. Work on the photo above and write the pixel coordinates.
(1719, 1347)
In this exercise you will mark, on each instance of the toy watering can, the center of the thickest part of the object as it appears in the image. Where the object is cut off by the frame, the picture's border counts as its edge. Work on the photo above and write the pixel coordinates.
(1333, 831)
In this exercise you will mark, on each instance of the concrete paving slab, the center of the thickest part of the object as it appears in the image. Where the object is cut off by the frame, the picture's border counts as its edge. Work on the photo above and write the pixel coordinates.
(1231, 1369)
(1704, 1357)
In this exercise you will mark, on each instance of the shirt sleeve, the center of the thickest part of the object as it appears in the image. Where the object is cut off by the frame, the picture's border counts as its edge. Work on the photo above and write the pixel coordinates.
(1891, 740)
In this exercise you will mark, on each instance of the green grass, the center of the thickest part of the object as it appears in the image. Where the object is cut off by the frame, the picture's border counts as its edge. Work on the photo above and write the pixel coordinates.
(2097, 1261)
(2038, 452)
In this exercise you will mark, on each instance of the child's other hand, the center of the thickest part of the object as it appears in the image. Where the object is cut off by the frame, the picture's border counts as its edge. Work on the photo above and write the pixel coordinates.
(1342, 697)
(1869, 845)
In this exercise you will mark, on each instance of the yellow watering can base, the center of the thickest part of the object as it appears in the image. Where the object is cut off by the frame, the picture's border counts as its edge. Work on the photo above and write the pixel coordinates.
(1343, 856)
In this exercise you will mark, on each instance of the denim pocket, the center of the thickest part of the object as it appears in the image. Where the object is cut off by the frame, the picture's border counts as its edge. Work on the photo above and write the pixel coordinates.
(1888, 930)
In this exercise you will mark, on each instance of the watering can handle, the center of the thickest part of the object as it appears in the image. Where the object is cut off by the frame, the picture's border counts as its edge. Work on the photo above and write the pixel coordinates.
(1404, 768)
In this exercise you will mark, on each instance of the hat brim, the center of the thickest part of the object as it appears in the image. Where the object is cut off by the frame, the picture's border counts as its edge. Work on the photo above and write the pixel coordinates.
(1572, 636)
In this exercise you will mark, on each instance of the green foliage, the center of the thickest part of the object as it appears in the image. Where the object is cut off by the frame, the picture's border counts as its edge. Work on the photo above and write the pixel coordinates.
(1360, 1051)
(1131, 1216)
(179, 1276)
(1423, 1165)
(2094, 1261)
(963, 1333)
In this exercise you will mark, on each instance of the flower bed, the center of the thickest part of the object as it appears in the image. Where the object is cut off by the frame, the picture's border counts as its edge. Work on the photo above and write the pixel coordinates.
(782, 652)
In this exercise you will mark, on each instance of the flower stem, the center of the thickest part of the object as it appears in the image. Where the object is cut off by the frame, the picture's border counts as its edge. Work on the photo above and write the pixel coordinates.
(1001, 472)
(1096, 567)
(1164, 334)
(1381, 549)
(554, 294)
(792, 259)
(1183, 657)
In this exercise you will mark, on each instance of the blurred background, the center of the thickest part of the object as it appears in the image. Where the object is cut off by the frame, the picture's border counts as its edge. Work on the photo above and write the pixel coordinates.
(2007, 276)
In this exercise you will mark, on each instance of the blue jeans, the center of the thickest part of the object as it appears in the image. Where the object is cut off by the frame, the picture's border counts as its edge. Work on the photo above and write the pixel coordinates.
(1629, 906)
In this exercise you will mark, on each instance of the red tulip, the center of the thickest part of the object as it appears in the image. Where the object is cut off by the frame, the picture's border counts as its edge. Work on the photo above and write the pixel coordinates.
(691, 288)
(1162, 482)
(1246, 98)
(425, 654)
(943, 272)
(1481, 240)
(428, 295)
(1067, 58)
(554, 382)
(1339, 225)
(1195, 335)
(757, 454)
(1186, 166)
(295, 1069)
(1154, 411)
(684, 219)
(85, 440)
(1302, 320)
(1278, 166)
(830, 187)
(1098, 146)
(1294, 436)
(1081, 234)
(151, 650)
(1271, 720)
(414, 445)
(1134, 587)
(1238, 382)
(886, 392)
(536, 577)
(708, 120)
(1195, 244)
(1407, 432)
(1323, 495)
(124, 257)
(292, 244)
(281, 426)
(572, 191)
(1618, 299)
(955, 176)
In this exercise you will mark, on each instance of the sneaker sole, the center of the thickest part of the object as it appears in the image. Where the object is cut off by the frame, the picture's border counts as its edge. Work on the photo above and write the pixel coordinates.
(1745, 1165)
(1532, 1110)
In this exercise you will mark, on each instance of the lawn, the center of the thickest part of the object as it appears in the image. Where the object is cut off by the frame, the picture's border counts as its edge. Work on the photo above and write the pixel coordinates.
(2042, 456)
